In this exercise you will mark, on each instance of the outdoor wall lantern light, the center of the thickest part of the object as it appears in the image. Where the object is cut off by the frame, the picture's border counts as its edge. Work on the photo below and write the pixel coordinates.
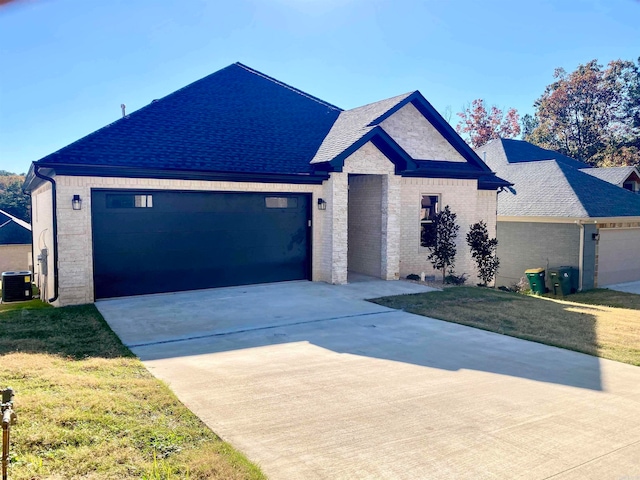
(322, 205)
(76, 203)
(595, 236)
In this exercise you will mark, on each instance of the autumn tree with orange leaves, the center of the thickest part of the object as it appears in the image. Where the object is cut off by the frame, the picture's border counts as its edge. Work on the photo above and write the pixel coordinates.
(478, 126)
(591, 114)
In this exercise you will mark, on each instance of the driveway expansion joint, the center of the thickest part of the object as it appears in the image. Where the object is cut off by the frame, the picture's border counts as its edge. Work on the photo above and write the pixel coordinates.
(256, 329)
(594, 459)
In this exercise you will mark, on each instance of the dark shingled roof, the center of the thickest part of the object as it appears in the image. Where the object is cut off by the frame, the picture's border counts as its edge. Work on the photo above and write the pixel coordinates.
(235, 120)
(13, 231)
(239, 121)
(553, 187)
(615, 175)
(507, 150)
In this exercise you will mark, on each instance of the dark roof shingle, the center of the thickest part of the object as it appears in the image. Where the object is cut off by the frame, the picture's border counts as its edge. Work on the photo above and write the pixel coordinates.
(13, 231)
(615, 175)
(508, 150)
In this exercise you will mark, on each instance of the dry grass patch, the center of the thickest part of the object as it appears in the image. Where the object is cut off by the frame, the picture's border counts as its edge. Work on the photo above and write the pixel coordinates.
(608, 298)
(603, 331)
(89, 409)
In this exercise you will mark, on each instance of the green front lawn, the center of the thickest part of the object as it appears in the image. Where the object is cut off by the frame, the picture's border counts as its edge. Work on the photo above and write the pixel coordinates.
(87, 408)
(601, 322)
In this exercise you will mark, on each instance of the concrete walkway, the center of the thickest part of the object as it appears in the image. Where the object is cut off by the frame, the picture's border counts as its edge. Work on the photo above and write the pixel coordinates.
(310, 381)
(629, 287)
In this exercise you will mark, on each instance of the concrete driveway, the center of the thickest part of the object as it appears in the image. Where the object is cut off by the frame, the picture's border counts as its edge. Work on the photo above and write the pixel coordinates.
(310, 381)
(629, 287)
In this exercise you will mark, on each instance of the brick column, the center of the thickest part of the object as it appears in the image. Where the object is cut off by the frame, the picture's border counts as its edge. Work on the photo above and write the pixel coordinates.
(335, 228)
(390, 268)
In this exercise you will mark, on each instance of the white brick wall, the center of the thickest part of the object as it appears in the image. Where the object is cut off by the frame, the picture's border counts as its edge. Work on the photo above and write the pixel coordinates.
(391, 226)
(418, 137)
(470, 205)
(74, 227)
(367, 160)
(42, 234)
(397, 251)
(334, 235)
(365, 225)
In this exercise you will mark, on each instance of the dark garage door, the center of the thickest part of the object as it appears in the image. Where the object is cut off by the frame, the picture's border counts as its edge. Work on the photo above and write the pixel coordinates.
(152, 242)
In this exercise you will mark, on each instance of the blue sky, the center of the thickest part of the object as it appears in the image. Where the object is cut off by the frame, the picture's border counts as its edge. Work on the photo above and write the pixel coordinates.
(67, 65)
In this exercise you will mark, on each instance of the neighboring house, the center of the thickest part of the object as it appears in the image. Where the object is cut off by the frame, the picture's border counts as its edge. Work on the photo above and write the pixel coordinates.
(626, 177)
(240, 179)
(15, 243)
(559, 213)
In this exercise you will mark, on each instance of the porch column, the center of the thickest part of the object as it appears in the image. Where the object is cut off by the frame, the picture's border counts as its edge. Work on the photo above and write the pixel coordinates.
(390, 245)
(337, 192)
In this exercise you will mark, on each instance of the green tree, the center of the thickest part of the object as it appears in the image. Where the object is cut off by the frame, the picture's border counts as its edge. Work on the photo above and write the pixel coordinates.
(443, 254)
(528, 124)
(12, 200)
(483, 251)
(592, 114)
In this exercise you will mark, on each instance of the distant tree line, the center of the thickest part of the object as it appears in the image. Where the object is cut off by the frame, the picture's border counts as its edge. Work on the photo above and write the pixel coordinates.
(591, 114)
(12, 200)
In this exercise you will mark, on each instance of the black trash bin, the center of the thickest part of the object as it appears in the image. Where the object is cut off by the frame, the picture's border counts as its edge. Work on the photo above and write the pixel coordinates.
(536, 280)
(16, 286)
(561, 280)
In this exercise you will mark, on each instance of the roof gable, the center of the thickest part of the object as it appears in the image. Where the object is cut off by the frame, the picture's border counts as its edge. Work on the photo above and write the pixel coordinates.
(418, 137)
(352, 129)
(355, 127)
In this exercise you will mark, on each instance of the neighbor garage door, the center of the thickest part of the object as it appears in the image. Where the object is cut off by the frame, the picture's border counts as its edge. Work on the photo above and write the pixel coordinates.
(151, 242)
(618, 258)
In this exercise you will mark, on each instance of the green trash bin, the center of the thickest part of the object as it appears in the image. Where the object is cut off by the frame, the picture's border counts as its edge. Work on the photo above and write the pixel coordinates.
(536, 280)
(561, 280)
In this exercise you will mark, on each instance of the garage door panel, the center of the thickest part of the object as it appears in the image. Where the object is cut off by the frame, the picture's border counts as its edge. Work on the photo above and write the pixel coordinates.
(618, 256)
(190, 240)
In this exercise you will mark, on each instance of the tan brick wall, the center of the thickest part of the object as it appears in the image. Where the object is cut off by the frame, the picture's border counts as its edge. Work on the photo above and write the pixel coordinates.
(365, 225)
(391, 227)
(470, 205)
(334, 241)
(42, 231)
(15, 257)
(74, 227)
(418, 137)
(367, 160)
(399, 246)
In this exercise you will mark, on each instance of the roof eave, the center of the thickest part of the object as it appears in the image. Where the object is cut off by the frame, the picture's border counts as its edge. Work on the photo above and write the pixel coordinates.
(574, 220)
(382, 141)
(137, 172)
